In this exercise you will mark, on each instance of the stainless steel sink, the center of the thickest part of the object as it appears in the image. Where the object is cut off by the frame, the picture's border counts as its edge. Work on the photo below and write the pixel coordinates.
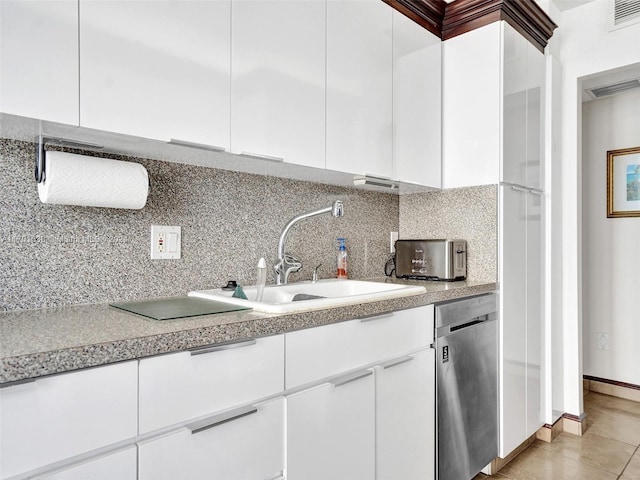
(306, 296)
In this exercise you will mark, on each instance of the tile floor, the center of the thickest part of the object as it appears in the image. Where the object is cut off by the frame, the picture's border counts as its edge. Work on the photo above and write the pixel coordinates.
(609, 450)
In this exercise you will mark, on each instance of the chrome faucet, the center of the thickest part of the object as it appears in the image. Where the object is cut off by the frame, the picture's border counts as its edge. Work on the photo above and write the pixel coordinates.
(287, 263)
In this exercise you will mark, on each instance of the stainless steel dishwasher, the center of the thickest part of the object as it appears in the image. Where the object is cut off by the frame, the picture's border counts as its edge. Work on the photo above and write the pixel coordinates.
(466, 386)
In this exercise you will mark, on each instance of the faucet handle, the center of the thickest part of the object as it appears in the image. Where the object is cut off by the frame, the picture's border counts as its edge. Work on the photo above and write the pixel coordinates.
(315, 273)
(292, 262)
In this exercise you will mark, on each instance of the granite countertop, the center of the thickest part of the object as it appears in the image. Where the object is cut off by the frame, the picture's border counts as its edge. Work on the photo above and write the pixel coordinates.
(34, 343)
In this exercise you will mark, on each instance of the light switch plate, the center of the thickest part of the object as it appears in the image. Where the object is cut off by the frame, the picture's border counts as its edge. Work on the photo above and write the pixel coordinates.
(166, 242)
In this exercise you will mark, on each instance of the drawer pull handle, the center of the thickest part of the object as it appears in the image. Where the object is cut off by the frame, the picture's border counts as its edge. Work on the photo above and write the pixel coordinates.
(200, 146)
(224, 346)
(397, 361)
(371, 318)
(338, 382)
(260, 156)
(207, 423)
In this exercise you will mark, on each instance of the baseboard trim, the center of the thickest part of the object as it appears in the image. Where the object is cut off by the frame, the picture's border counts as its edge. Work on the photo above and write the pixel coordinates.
(628, 391)
(573, 424)
(499, 463)
(548, 433)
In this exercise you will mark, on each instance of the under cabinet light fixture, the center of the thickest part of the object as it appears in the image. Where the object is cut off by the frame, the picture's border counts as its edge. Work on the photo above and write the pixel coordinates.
(360, 180)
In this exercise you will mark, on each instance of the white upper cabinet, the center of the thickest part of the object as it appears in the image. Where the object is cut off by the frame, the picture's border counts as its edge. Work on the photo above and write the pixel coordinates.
(492, 108)
(417, 77)
(359, 87)
(278, 80)
(39, 59)
(471, 99)
(524, 76)
(536, 94)
(156, 69)
(514, 107)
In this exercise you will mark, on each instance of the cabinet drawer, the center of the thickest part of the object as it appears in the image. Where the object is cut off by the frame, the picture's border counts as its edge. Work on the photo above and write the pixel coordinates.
(320, 352)
(65, 415)
(247, 444)
(182, 386)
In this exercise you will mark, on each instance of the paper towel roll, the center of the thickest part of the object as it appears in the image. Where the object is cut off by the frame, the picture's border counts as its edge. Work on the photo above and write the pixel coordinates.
(93, 182)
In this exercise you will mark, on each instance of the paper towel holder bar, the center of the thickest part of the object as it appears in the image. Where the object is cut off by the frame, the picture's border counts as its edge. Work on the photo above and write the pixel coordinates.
(40, 170)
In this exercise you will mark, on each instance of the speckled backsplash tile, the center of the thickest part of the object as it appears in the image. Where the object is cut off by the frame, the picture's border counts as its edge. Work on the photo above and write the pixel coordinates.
(56, 255)
(466, 213)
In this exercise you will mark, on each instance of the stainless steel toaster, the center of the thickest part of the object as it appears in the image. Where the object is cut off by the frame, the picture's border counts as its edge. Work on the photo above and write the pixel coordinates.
(444, 260)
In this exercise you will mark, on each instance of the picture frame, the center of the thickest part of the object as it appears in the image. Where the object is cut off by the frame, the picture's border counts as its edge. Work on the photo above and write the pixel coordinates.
(623, 183)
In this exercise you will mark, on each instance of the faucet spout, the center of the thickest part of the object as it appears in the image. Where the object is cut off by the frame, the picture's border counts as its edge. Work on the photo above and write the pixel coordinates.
(287, 264)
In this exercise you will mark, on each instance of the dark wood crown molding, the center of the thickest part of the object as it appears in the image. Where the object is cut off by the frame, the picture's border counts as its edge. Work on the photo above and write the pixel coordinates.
(448, 20)
(526, 17)
(428, 13)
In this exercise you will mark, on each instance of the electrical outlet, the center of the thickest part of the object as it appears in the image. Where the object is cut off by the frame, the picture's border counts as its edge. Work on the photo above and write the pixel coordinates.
(603, 341)
(393, 236)
(166, 242)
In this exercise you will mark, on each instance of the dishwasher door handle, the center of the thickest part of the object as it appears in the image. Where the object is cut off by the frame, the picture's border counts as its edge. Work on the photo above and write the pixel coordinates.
(466, 325)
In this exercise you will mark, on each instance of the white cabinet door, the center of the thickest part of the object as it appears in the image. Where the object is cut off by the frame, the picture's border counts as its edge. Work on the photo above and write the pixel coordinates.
(331, 430)
(247, 446)
(58, 417)
(471, 113)
(39, 59)
(523, 115)
(156, 69)
(536, 68)
(405, 418)
(535, 277)
(122, 465)
(417, 75)
(278, 79)
(359, 87)
(513, 310)
(514, 107)
(317, 353)
(182, 386)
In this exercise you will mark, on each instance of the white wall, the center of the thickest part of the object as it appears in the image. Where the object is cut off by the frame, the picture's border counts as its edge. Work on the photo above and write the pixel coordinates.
(610, 246)
(584, 47)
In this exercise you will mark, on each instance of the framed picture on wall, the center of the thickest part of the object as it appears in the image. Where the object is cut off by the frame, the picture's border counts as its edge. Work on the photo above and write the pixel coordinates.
(623, 183)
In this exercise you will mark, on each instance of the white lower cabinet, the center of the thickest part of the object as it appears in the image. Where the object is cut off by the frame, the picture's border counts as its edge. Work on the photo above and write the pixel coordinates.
(374, 414)
(330, 430)
(405, 418)
(182, 386)
(56, 418)
(224, 411)
(243, 444)
(321, 352)
(121, 465)
(521, 298)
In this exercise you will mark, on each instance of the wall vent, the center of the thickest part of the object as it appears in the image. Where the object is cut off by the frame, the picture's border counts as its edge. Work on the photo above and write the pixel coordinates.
(612, 89)
(625, 12)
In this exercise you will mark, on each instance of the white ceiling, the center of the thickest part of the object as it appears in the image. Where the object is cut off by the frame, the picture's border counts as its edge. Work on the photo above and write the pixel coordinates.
(569, 4)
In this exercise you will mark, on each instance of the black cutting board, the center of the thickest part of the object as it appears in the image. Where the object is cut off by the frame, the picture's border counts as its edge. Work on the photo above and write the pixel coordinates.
(177, 307)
